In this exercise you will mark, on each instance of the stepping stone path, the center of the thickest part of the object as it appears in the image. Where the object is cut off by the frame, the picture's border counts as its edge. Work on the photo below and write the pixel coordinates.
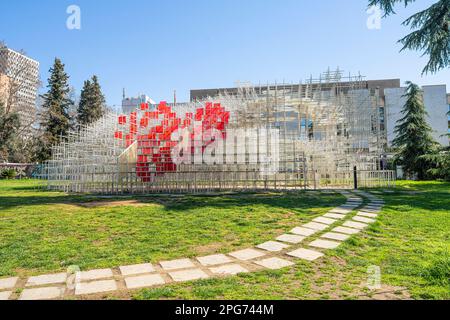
(367, 214)
(230, 269)
(5, 295)
(306, 254)
(335, 216)
(274, 263)
(144, 281)
(325, 244)
(137, 269)
(247, 254)
(95, 287)
(336, 236)
(177, 264)
(46, 293)
(214, 260)
(273, 246)
(303, 231)
(8, 283)
(290, 238)
(363, 219)
(188, 275)
(47, 279)
(95, 274)
(355, 225)
(271, 255)
(316, 226)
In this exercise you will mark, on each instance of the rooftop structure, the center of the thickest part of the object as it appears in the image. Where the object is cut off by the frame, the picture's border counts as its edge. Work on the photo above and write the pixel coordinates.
(131, 104)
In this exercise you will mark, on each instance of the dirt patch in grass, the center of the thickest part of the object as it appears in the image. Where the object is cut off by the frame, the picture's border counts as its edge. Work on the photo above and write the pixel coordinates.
(208, 249)
(111, 204)
(387, 292)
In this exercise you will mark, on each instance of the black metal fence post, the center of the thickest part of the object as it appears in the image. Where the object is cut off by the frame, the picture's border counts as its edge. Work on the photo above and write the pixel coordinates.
(355, 177)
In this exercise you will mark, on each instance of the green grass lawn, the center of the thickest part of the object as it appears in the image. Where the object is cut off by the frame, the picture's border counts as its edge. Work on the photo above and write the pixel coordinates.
(410, 242)
(48, 231)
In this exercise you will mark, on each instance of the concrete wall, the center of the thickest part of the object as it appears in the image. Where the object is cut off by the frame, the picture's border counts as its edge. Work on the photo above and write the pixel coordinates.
(435, 100)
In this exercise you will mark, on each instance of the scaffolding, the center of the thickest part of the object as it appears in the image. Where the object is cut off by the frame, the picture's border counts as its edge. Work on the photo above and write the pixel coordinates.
(280, 136)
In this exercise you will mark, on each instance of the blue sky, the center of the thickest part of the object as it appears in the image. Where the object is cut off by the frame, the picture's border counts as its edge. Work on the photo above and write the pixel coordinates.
(157, 46)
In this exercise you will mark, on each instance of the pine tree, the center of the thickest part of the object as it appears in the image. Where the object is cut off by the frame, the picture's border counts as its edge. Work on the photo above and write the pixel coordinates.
(413, 134)
(83, 106)
(431, 33)
(56, 121)
(92, 102)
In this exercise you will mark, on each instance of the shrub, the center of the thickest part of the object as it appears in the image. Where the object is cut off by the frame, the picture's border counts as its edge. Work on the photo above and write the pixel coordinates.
(8, 174)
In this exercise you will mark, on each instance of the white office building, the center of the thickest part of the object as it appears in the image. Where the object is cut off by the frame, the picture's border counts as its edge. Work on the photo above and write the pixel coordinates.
(131, 104)
(436, 105)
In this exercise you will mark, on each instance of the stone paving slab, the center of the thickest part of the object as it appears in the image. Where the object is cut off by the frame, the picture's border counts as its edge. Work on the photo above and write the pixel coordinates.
(5, 295)
(290, 238)
(95, 287)
(346, 230)
(335, 216)
(374, 207)
(144, 281)
(341, 211)
(303, 231)
(188, 275)
(47, 279)
(230, 269)
(247, 254)
(363, 219)
(305, 254)
(336, 236)
(325, 244)
(95, 274)
(274, 263)
(367, 214)
(137, 269)
(46, 293)
(177, 264)
(325, 220)
(8, 283)
(272, 246)
(214, 260)
(349, 207)
(354, 202)
(355, 225)
(316, 226)
(371, 210)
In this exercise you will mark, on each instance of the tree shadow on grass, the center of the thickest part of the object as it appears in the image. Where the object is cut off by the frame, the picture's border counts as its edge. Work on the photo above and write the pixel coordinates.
(284, 200)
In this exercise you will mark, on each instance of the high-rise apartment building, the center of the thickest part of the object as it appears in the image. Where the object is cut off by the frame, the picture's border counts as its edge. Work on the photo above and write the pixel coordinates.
(19, 81)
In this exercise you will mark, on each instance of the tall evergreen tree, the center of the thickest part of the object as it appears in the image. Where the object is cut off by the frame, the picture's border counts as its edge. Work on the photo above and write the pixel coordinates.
(57, 102)
(431, 33)
(92, 102)
(413, 134)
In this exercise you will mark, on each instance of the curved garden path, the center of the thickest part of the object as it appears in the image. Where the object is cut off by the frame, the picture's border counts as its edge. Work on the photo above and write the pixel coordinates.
(309, 242)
